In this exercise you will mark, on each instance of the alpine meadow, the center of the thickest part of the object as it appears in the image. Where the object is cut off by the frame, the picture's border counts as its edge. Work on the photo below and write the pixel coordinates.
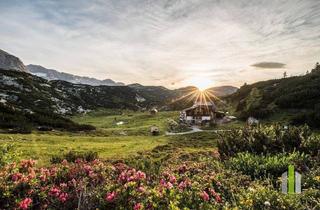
(156, 105)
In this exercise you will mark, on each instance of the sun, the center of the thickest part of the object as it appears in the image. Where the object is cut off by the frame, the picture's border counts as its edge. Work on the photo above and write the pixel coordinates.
(201, 83)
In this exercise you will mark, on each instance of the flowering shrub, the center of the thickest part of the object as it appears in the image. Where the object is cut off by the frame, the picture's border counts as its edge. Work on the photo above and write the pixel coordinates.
(65, 185)
(201, 183)
(96, 184)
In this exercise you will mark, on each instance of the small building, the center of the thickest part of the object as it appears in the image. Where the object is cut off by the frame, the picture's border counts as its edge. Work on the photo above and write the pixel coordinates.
(154, 130)
(251, 121)
(199, 113)
(153, 111)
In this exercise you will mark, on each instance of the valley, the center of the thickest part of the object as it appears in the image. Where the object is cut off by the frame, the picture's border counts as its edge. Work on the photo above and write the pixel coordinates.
(109, 140)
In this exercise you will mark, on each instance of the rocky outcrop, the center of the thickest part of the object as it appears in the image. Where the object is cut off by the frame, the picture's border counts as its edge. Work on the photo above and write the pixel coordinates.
(10, 62)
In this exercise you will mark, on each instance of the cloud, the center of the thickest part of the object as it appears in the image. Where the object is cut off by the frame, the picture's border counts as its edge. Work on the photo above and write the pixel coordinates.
(157, 42)
(269, 65)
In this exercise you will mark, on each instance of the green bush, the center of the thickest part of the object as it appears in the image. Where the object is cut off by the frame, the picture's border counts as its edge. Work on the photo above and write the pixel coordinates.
(175, 127)
(312, 179)
(311, 118)
(8, 154)
(270, 166)
(272, 139)
(265, 197)
(72, 156)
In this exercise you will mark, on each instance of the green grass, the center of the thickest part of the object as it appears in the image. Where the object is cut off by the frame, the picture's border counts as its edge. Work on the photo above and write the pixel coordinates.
(112, 141)
(135, 123)
(44, 146)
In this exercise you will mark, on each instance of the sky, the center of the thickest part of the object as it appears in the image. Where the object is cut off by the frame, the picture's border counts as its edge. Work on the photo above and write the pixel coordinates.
(173, 43)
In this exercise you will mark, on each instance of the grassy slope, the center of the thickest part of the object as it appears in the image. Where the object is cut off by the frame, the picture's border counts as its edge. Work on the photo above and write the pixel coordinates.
(107, 140)
(43, 146)
(135, 123)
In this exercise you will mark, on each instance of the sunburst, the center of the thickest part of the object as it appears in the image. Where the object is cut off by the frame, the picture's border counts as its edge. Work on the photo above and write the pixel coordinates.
(199, 96)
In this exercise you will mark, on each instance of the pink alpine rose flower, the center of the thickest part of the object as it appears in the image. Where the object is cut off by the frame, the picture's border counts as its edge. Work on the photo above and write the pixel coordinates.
(204, 195)
(54, 191)
(63, 197)
(169, 185)
(173, 179)
(141, 189)
(17, 176)
(140, 175)
(25, 204)
(110, 196)
(137, 206)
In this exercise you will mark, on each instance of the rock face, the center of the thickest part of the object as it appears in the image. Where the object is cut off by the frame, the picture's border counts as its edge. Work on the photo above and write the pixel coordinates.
(10, 62)
(51, 74)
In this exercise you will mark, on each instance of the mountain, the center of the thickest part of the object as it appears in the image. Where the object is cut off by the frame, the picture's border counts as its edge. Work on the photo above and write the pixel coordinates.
(158, 95)
(46, 96)
(296, 98)
(223, 90)
(11, 62)
(28, 100)
(28, 92)
(51, 74)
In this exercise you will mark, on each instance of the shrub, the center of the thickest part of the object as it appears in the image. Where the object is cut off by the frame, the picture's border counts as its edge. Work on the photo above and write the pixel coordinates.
(311, 118)
(21, 128)
(175, 127)
(185, 181)
(81, 127)
(92, 185)
(72, 156)
(267, 139)
(8, 154)
(270, 166)
(312, 179)
(311, 145)
(265, 197)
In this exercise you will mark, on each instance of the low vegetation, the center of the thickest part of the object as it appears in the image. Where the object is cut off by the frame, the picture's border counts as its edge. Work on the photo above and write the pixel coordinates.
(272, 139)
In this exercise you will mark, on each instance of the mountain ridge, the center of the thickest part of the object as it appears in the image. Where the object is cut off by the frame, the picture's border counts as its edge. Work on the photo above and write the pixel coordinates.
(52, 74)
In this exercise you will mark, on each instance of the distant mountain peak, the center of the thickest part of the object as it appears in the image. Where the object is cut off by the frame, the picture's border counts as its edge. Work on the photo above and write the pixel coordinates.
(52, 74)
(223, 90)
(11, 62)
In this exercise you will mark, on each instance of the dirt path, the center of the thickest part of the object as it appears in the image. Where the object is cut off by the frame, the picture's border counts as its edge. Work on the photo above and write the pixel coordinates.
(195, 129)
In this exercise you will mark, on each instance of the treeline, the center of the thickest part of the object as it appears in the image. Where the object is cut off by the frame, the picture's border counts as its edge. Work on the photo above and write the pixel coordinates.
(16, 121)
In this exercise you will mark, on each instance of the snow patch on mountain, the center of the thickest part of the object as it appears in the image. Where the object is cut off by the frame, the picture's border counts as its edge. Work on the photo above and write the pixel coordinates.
(140, 99)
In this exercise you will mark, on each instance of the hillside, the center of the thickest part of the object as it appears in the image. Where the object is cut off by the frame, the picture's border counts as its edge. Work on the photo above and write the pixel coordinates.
(298, 95)
(51, 74)
(223, 90)
(28, 101)
(11, 62)
(177, 99)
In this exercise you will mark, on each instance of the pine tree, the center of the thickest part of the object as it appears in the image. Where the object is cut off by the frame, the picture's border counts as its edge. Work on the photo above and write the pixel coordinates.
(285, 74)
